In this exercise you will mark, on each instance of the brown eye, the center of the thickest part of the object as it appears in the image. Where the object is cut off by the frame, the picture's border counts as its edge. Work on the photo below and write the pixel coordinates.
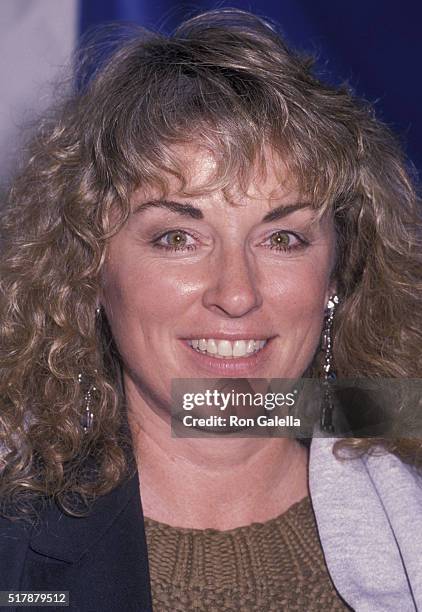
(280, 240)
(286, 242)
(175, 239)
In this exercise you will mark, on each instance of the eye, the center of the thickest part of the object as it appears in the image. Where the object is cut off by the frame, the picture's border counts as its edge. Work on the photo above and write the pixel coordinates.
(285, 241)
(175, 240)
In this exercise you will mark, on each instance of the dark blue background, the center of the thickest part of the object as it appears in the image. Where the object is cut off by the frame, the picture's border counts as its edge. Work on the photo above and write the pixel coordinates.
(374, 45)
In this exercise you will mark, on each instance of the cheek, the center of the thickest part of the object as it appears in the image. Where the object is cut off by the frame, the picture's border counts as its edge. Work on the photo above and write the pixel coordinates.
(297, 309)
(298, 290)
(142, 297)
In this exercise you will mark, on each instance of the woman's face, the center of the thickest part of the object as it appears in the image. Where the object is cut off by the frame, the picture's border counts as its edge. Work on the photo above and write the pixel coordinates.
(196, 287)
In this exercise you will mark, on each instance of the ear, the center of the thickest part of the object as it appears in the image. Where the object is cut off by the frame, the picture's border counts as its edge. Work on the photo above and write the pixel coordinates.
(331, 290)
(100, 301)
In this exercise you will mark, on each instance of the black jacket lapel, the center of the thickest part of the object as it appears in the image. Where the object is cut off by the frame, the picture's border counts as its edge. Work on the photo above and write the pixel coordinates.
(14, 539)
(101, 559)
(68, 538)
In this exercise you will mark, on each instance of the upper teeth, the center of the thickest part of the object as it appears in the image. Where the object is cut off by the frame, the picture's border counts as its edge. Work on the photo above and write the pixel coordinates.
(225, 348)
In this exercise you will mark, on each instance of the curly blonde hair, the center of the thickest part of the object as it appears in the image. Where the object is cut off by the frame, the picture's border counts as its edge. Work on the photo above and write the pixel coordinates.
(227, 81)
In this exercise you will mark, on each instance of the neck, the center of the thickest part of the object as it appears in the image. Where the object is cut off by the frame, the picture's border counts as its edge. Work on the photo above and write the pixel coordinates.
(218, 483)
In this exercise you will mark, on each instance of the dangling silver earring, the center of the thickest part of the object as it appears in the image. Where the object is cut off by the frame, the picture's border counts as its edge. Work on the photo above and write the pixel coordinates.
(88, 417)
(328, 373)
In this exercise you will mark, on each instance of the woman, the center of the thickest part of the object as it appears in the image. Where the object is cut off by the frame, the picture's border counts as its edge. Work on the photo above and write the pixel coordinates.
(204, 207)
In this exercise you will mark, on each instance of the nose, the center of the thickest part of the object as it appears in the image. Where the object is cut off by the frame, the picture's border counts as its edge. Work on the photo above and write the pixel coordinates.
(232, 287)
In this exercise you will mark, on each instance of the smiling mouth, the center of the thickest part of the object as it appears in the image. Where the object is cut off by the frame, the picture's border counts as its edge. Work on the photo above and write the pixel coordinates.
(226, 349)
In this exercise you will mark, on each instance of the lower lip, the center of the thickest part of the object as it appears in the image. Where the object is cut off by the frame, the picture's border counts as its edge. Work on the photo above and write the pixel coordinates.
(230, 366)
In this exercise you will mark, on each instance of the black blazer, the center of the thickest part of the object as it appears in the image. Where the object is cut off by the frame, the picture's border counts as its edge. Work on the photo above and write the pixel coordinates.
(100, 559)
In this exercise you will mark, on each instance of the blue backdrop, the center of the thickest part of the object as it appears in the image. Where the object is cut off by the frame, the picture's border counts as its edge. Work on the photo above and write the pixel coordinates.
(375, 45)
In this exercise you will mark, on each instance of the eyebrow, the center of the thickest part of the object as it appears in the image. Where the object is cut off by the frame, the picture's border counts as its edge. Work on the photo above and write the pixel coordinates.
(283, 211)
(188, 210)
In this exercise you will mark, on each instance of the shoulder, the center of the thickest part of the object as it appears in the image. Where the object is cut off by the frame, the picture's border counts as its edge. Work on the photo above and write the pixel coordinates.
(14, 541)
(369, 517)
(12, 530)
(61, 550)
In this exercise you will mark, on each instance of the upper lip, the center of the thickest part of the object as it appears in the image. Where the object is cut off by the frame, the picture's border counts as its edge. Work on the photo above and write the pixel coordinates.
(229, 336)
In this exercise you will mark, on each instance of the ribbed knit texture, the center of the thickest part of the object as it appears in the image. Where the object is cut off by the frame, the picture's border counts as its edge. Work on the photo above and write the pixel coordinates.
(263, 567)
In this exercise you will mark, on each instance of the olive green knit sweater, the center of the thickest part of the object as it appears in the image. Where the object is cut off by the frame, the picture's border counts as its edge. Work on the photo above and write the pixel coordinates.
(273, 566)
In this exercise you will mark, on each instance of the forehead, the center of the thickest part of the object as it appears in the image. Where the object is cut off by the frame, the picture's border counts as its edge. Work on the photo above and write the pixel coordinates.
(196, 171)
